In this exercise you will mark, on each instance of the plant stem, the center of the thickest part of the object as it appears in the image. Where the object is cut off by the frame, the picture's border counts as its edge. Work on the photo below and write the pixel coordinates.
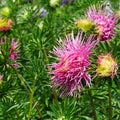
(56, 100)
(110, 99)
(28, 89)
(92, 104)
(54, 92)
(31, 99)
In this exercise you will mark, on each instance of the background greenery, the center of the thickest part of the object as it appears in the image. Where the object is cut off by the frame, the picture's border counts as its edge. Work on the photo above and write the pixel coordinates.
(26, 93)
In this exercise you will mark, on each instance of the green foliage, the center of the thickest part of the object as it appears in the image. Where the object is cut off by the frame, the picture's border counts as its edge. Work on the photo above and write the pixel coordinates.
(26, 92)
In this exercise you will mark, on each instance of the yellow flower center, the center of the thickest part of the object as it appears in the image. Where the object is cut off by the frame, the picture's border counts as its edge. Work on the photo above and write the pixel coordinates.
(84, 24)
(107, 66)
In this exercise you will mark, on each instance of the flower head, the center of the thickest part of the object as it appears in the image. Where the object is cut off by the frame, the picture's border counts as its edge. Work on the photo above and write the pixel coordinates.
(5, 25)
(43, 12)
(70, 73)
(11, 53)
(54, 3)
(107, 66)
(6, 11)
(105, 23)
(84, 24)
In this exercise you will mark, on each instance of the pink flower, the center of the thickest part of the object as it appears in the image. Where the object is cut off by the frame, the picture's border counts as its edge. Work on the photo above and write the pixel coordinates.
(1, 77)
(14, 55)
(70, 72)
(106, 23)
(14, 45)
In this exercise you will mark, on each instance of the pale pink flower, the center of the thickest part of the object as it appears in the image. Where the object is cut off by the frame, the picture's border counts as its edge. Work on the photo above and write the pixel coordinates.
(1, 77)
(70, 72)
(14, 45)
(105, 23)
(14, 52)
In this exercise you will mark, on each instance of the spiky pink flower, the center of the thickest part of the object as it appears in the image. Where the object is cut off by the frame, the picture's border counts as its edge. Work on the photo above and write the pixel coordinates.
(70, 72)
(105, 22)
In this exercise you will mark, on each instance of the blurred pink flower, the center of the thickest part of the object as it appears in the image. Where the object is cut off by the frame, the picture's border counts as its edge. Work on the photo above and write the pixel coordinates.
(14, 55)
(1, 77)
(106, 23)
(14, 45)
(14, 52)
(70, 73)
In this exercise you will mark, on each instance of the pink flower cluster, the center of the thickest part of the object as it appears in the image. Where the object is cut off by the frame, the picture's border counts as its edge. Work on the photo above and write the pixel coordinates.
(12, 52)
(70, 73)
(105, 23)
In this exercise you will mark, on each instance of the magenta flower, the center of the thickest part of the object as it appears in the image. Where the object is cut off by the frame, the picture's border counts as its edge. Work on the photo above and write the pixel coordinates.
(106, 23)
(14, 45)
(12, 53)
(67, 1)
(70, 73)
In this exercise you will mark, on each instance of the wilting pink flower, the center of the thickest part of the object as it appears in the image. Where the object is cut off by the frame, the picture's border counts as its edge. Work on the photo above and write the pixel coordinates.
(5, 25)
(105, 22)
(70, 72)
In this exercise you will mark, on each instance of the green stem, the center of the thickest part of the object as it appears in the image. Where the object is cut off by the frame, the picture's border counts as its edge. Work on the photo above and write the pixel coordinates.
(28, 89)
(18, 115)
(92, 104)
(54, 92)
(110, 100)
(31, 97)
(56, 100)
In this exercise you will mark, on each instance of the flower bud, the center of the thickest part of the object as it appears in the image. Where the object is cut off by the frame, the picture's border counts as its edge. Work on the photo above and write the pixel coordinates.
(84, 24)
(54, 3)
(6, 11)
(107, 66)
